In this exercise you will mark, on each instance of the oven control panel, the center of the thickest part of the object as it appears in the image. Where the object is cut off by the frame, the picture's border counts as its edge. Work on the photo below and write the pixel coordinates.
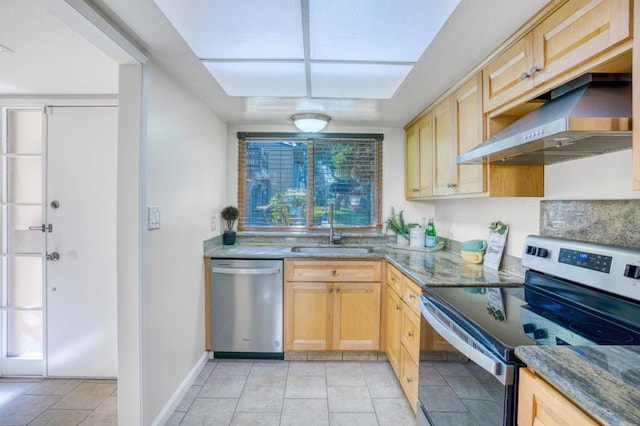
(582, 259)
(613, 269)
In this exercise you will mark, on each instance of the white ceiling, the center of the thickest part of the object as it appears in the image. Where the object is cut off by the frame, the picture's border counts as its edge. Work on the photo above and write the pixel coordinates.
(50, 58)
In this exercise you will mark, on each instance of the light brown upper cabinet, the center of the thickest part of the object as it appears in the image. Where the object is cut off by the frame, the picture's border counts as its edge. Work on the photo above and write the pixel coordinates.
(580, 36)
(419, 159)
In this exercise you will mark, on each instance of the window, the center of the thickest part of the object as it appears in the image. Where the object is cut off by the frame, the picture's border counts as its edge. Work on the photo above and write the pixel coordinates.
(288, 182)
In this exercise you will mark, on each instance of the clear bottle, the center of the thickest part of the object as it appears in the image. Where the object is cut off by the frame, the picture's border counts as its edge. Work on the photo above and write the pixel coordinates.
(430, 234)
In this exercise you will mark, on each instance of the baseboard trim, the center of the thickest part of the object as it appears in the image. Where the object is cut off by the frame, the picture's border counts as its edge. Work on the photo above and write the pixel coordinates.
(181, 391)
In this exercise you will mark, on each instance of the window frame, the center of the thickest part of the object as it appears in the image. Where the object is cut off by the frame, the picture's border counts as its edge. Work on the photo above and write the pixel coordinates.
(269, 136)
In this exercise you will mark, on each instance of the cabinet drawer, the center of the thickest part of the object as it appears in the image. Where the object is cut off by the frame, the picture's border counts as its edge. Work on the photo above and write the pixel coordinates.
(409, 378)
(394, 279)
(411, 332)
(318, 270)
(411, 296)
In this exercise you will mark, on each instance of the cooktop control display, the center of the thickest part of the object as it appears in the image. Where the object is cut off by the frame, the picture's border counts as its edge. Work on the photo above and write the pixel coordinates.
(582, 259)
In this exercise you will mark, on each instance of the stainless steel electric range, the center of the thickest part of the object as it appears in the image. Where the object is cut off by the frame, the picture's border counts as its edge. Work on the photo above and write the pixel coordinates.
(574, 293)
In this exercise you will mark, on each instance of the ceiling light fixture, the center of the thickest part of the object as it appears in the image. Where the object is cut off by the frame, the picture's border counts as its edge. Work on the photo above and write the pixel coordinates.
(310, 122)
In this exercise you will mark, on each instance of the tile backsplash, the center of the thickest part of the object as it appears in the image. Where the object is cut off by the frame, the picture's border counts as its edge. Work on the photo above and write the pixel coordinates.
(614, 222)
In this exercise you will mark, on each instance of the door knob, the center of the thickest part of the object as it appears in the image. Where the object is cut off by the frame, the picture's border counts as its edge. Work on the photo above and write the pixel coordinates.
(54, 256)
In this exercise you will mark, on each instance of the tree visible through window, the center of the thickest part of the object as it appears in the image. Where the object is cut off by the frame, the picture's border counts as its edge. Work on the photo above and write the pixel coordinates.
(289, 182)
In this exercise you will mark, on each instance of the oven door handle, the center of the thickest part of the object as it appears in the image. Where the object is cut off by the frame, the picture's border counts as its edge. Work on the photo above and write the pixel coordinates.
(465, 343)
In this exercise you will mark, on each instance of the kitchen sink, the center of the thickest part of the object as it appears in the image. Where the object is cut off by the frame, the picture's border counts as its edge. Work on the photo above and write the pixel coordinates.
(332, 250)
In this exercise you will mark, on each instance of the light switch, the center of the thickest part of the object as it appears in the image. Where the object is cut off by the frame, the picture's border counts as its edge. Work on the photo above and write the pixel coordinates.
(153, 218)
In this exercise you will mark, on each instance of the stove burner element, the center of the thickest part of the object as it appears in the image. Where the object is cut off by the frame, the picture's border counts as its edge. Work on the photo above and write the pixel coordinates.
(603, 334)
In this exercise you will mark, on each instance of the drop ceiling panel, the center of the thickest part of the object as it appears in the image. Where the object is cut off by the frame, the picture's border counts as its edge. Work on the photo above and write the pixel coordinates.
(259, 78)
(246, 29)
(357, 30)
(357, 81)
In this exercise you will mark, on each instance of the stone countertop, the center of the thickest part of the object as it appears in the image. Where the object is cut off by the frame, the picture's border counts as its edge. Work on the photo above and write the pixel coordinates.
(437, 268)
(602, 380)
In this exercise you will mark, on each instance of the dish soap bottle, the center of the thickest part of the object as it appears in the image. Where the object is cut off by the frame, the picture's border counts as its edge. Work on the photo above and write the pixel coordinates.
(430, 234)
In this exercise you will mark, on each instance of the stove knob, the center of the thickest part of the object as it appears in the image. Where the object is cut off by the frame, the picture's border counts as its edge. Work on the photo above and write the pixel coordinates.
(541, 252)
(531, 250)
(540, 333)
(632, 271)
(528, 327)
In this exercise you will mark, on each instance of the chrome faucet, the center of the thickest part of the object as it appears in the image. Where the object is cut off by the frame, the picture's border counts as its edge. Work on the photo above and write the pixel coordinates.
(334, 236)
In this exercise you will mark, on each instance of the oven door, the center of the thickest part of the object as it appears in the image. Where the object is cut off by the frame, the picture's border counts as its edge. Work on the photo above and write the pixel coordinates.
(470, 386)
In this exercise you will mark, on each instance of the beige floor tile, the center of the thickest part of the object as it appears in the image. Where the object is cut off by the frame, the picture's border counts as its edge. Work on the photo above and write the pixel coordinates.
(261, 399)
(223, 387)
(353, 419)
(349, 399)
(204, 374)
(383, 386)
(26, 408)
(255, 419)
(188, 398)
(86, 396)
(307, 368)
(98, 418)
(306, 387)
(377, 368)
(232, 368)
(305, 412)
(274, 369)
(12, 390)
(395, 412)
(210, 411)
(61, 418)
(345, 374)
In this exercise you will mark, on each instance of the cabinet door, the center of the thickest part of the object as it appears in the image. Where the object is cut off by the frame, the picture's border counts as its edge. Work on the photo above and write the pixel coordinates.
(419, 159)
(541, 404)
(409, 378)
(576, 33)
(411, 333)
(393, 329)
(507, 75)
(356, 316)
(467, 103)
(443, 147)
(308, 310)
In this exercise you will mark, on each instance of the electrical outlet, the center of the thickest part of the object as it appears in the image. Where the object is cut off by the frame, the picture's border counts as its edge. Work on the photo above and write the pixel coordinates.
(214, 225)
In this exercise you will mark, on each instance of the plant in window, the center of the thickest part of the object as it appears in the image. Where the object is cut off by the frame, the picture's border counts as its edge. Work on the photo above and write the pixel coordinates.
(396, 224)
(230, 214)
(288, 208)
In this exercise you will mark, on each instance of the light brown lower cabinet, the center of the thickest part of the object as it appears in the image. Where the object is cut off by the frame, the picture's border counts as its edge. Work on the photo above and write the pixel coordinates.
(540, 404)
(332, 305)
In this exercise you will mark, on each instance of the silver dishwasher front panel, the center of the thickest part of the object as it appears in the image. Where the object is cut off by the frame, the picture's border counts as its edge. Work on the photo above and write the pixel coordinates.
(246, 307)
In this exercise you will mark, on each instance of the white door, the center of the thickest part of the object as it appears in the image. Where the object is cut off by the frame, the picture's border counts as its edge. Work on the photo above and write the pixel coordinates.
(22, 267)
(81, 327)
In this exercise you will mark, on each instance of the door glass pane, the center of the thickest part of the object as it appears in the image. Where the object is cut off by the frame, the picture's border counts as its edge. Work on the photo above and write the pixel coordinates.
(24, 183)
(24, 131)
(24, 286)
(19, 238)
(24, 334)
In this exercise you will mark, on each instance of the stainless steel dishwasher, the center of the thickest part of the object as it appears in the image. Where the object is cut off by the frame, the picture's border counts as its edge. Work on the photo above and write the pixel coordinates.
(247, 308)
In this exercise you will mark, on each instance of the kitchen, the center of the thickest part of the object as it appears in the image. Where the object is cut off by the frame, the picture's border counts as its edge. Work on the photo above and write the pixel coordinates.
(174, 253)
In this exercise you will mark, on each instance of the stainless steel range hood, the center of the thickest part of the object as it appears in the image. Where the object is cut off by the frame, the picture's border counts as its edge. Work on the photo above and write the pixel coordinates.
(588, 116)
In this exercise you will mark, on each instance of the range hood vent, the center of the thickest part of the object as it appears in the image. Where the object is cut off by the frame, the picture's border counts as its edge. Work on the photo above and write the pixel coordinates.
(587, 116)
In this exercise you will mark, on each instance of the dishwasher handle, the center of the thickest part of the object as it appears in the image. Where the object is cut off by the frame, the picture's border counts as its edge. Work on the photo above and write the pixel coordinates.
(245, 271)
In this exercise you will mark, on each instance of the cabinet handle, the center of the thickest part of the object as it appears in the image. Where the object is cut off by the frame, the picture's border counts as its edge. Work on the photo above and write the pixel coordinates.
(409, 380)
(410, 334)
(338, 290)
(451, 185)
(415, 190)
(334, 272)
(330, 290)
(524, 76)
(412, 296)
(534, 69)
(397, 307)
(393, 280)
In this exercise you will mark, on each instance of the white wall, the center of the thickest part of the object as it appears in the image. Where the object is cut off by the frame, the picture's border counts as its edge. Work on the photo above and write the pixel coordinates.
(186, 172)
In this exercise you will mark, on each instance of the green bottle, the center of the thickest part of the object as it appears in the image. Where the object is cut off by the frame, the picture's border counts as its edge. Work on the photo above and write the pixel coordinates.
(430, 234)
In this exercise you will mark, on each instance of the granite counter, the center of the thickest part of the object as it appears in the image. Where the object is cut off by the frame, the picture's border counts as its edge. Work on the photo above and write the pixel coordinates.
(438, 268)
(604, 381)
